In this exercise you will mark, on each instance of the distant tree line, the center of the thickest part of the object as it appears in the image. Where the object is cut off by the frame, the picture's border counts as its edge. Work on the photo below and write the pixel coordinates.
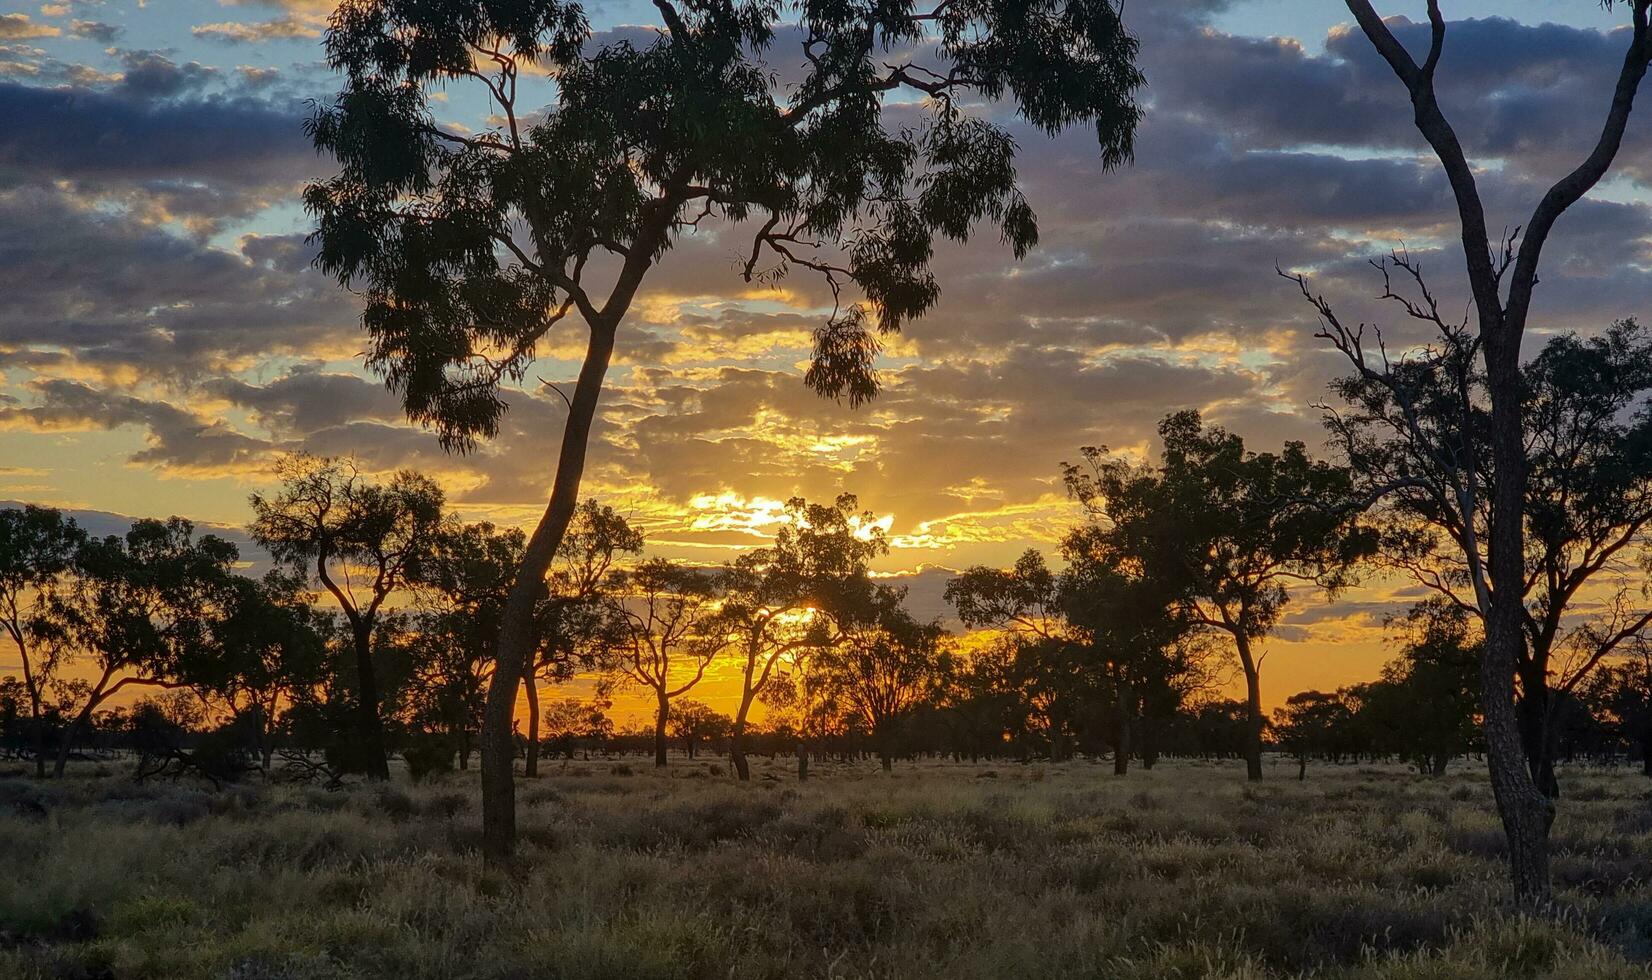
(374, 635)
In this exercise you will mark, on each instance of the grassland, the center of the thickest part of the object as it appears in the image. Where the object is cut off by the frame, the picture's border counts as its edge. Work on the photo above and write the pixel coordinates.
(936, 871)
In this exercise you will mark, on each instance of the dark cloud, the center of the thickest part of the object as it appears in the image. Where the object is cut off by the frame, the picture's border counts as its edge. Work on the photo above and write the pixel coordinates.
(177, 439)
(138, 131)
(94, 30)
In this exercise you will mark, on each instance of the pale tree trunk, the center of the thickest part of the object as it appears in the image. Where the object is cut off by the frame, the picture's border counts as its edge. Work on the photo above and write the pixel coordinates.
(1526, 812)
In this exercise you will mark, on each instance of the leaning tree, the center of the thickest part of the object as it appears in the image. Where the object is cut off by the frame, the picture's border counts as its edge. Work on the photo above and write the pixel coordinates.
(836, 136)
(1502, 280)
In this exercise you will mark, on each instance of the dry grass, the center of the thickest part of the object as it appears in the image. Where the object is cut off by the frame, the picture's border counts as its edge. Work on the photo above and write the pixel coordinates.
(936, 871)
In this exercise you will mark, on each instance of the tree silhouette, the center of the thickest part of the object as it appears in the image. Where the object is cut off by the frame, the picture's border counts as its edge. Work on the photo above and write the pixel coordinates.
(37, 547)
(883, 668)
(271, 648)
(1227, 532)
(1502, 278)
(360, 540)
(695, 722)
(146, 607)
(786, 599)
(470, 247)
(664, 613)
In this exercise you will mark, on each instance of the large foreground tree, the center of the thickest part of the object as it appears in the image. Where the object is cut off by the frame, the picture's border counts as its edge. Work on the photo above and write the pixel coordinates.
(1502, 279)
(470, 246)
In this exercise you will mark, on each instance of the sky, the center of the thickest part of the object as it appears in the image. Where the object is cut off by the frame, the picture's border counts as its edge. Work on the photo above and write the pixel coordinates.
(163, 338)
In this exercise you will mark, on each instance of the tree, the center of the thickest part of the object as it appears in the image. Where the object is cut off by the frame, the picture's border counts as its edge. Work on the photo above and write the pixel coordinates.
(1622, 692)
(472, 246)
(1428, 700)
(37, 547)
(694, 722)
(271, 649)
(568, 721)
(885, 666)
(1227, 531)
(461, 581)
(1419, 447)
(1311, 723)
(146, 607)
(663, 612)
(1502, 278)
(784, 600)
(1099, 633)
(360, 540)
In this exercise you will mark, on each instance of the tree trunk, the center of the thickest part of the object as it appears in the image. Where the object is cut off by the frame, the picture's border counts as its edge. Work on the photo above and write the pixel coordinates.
(802, 761)
(660, 718)
(1253, 701)
(516, 631)
(367, 706)
(737, 741)
(1301, 766)
(1534, 710)
(1526, 812)
(32, 686)
(530, 686)
(73, 732)
(1121, 737)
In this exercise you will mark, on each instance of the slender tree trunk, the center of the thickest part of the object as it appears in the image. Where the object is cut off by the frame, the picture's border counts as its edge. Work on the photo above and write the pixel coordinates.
(32, 685)
(802, 761)
(530, 687)
(1121, 737)
(1253, 701)
(661, 716)
(737, 739)
(1526, 812)
(516, 637)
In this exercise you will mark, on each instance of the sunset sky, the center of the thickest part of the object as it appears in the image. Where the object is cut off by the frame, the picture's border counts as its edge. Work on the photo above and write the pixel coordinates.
(163, 339)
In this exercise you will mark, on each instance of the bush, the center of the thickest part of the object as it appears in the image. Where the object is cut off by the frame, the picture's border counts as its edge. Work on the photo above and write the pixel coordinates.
(426, 756)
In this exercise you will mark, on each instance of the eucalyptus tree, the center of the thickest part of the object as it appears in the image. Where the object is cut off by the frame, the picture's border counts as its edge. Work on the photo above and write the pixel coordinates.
(664, 613)
(146, 609)
(884, 667)
(1096, 632)
(1227, 531)
(271, 651)
(1416, 433)
(360, 540)
(472, 245)
(1502, 279)
(37, 547)
(781, 602)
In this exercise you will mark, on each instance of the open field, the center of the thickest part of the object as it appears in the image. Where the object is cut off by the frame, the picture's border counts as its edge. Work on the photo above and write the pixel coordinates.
(936, 871)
